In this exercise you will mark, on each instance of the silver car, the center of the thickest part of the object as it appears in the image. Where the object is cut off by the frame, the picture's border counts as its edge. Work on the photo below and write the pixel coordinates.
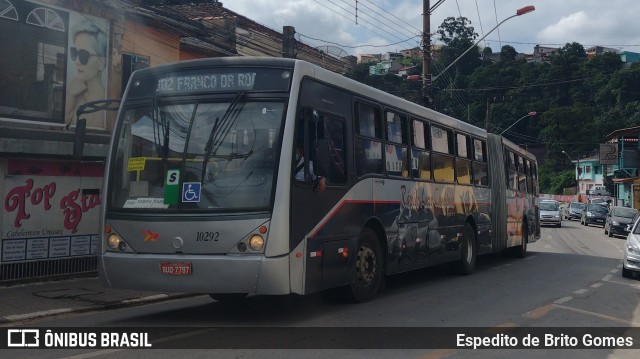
(631, 261)
(574, 210)
(550, 213)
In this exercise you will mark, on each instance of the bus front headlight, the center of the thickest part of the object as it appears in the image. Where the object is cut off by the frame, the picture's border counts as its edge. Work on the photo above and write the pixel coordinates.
(114, 241)
(256, 242)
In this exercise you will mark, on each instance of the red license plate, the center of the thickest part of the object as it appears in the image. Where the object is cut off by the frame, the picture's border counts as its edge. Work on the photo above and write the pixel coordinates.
(175, 268)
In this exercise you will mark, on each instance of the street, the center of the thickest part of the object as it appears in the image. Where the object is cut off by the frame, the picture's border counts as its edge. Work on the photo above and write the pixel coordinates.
(570, 278)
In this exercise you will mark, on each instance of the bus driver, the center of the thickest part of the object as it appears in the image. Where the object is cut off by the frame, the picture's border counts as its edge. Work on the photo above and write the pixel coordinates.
(320, 183)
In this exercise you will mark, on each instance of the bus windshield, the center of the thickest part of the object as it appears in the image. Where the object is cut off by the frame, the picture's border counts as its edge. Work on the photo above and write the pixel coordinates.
(197, 156)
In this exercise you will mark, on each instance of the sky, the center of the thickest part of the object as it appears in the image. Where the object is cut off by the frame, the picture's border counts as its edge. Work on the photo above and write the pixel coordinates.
(394, 25)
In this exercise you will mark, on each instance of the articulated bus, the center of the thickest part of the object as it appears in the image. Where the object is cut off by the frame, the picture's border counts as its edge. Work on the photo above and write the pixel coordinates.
(202, 196)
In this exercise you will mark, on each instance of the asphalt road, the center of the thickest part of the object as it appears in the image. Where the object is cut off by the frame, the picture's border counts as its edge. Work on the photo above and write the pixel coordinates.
(570, 279)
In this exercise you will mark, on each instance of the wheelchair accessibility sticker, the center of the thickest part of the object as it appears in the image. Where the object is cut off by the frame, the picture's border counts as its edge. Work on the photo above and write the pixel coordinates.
(191, 191)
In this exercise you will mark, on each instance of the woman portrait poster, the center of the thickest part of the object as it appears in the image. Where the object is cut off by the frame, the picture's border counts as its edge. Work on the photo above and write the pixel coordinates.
(86, 67)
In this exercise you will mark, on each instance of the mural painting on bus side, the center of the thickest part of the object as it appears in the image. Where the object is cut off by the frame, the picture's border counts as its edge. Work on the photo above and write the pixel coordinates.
(515, 214)
(427, 220)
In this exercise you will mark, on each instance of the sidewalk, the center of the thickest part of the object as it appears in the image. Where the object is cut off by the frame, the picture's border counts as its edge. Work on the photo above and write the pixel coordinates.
(36, 300)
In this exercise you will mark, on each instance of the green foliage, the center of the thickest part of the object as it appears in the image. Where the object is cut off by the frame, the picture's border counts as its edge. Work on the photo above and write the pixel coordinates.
(554, 182)
(578, 100)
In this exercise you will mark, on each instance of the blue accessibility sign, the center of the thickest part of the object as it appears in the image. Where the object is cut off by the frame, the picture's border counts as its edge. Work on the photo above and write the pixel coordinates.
(191, 191)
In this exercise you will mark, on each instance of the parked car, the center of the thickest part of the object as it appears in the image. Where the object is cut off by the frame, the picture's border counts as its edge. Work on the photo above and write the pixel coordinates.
(617, 220)
(550, 213)
(600, 200)
(631, 259)
(573, 210)
(594, 214)
(599, 191)
(634, 220)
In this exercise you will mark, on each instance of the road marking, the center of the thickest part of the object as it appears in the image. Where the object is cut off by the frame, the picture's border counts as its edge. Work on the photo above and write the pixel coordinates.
(145, 299)
(602, 316)
(614, 271)
(607, 278)
(437, 354)
(539, 312)
(596, 285)
(501, 328)
(44, 313)
(626, 283)
(581, 291)
(563, 300)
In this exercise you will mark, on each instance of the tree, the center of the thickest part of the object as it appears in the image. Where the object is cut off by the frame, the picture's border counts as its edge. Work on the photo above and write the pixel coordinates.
(508, 53)
(454, 30)
(459, 36)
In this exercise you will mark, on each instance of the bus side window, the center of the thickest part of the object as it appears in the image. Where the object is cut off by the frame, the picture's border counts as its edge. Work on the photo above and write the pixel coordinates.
(463, 163)
(331, 151)
(529, 170)
(396, 147)
(420, 157)
(368, 143)
(480, 170)
(442, 157)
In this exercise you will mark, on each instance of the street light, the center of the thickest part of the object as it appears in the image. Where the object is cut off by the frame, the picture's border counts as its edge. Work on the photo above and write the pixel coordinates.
(530, 114)
(577, 172)
(521, 11)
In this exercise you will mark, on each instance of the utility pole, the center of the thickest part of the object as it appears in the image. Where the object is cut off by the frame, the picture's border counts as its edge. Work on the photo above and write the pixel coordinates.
(288, 42)
(426, 54)
(490, 102)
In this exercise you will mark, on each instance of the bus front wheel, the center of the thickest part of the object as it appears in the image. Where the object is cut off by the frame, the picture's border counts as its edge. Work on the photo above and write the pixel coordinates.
(368, 268)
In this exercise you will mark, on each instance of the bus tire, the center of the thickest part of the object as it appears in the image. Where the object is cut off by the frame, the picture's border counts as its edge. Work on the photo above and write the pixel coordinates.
(228, 297)
(369, 268)
(521, 250)
(467, 263)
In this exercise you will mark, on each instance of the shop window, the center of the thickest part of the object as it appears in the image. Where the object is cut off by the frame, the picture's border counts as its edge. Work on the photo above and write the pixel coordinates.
(8, 11)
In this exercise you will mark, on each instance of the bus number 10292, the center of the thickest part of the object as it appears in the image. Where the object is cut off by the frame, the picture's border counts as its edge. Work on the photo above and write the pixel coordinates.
(207, 236)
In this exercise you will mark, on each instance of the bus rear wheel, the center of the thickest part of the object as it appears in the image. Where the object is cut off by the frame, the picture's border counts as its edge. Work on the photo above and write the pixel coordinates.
(467, 263)
(521, 250)
(369, 269)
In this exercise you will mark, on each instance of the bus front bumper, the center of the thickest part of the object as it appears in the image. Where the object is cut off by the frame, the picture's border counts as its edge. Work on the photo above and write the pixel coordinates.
(252, 274)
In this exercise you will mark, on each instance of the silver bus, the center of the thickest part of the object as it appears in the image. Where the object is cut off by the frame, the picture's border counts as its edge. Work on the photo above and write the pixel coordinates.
(205, 190)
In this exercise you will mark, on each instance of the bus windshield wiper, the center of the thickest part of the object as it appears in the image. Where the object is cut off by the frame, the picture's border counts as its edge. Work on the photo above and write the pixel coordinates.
(219, 131)
(160, 129)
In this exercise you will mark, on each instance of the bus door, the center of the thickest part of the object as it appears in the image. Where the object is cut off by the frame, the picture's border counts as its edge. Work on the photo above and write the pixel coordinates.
(317, 212)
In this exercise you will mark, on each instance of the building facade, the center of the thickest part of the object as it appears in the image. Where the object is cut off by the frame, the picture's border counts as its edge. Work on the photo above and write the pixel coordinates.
(68, 64)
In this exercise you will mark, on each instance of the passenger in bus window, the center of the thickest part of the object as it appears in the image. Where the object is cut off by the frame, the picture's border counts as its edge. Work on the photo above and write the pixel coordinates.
(320, 183)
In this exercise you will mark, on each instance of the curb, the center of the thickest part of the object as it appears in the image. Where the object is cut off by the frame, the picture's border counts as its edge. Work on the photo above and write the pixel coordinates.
(115, 305)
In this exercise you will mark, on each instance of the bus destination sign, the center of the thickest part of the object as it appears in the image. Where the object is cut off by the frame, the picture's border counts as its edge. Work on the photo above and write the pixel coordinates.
(232, 81)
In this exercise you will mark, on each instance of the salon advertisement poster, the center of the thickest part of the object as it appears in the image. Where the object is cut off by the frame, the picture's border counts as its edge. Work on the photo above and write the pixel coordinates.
(87, 65)
(51, 209)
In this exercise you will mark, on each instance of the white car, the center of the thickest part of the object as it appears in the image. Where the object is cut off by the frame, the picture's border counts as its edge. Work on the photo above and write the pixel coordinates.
(550, 213)
(631, 261)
